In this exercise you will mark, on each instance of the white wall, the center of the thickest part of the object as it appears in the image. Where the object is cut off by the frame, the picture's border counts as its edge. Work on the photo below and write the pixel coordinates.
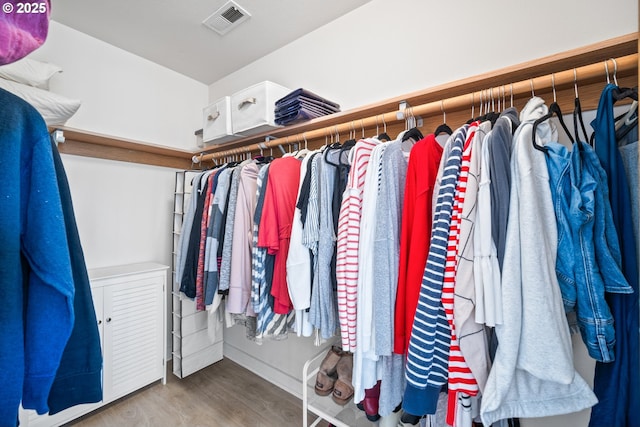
(387, 48)
(124, 211)
(122, 94)
(384, 49)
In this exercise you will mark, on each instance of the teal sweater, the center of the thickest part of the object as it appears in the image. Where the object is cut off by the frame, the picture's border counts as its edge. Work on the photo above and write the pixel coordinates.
(36, 285)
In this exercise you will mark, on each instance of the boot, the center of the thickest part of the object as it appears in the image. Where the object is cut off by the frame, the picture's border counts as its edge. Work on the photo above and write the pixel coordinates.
(371, 401)
(327, 375)
(343, 388)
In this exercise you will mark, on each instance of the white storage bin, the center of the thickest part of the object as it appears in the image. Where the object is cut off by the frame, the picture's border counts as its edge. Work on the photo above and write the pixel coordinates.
(253, 108)
(216, 125)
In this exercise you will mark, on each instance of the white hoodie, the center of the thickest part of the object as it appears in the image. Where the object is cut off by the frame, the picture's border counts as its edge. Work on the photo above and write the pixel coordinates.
(533, 373)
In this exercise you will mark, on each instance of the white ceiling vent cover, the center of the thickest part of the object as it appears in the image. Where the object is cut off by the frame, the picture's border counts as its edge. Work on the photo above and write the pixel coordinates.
(228, 17)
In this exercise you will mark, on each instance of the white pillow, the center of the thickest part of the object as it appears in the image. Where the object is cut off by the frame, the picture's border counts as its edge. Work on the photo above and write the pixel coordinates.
(30, 72)
(55, 109)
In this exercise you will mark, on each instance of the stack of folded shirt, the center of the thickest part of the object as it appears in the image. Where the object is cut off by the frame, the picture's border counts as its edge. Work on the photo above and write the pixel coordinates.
(301, 105)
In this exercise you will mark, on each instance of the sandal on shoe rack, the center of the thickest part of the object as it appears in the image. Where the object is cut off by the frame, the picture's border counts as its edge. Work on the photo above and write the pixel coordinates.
(343, 388)
(327, 375)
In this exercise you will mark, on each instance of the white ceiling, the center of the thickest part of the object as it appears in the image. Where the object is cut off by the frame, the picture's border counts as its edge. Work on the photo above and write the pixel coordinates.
(170, 32)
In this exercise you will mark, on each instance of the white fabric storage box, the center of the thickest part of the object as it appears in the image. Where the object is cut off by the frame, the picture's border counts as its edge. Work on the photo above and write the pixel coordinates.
(216, 125)
(253, 108)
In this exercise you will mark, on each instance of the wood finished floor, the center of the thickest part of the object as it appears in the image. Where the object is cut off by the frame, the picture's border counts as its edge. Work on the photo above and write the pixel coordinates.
(222, 395)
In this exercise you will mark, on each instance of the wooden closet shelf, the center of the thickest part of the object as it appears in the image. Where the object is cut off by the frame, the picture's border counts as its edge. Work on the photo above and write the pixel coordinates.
(456, 95)
(90, 144)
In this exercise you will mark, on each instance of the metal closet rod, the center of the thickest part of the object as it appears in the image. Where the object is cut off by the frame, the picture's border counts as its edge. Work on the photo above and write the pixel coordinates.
(456, 103)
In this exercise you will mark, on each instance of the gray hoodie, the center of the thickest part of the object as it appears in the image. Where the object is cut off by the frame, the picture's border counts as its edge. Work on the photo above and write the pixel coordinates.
(533, 373)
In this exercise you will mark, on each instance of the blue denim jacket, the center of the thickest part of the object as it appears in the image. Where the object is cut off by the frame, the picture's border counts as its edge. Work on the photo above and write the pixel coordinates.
(588, 260)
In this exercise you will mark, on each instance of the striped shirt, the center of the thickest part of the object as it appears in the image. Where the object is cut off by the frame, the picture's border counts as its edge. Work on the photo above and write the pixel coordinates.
(428, 353)
(348, 242)
(460, 377)
(268, 324)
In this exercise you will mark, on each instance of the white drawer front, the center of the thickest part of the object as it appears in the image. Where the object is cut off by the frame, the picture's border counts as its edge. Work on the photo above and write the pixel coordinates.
(252, 109)
(216, 125)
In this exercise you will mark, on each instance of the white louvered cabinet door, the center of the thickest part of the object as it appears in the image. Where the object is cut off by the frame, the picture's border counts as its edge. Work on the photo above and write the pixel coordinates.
(133, 335)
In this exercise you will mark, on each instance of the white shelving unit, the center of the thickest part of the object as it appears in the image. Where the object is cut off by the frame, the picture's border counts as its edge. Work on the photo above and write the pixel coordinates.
(192, 347)
(324, 406)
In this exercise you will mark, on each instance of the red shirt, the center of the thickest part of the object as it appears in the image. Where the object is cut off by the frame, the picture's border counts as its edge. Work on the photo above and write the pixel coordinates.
(415, 235)
(274, 232)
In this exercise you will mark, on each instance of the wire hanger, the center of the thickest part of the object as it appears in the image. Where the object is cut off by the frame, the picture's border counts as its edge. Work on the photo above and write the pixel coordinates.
(444, 127)
(554, 108)
(492, 115)
(511, 95)
(615, 71)
(577, 112)
(412, 131)
(473, 107)
(533, 92)
(493, 101)
(384, 136)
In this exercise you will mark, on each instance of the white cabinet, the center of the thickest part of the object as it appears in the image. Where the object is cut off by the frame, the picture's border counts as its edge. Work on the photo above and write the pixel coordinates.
(130, 308)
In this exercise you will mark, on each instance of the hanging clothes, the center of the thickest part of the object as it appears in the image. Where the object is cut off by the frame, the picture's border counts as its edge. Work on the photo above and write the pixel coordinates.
(386, 247)
(35, 268)
(587, 264)
(191, 242)
(386, 243)
(269, 324)
(203, 226)
(222, 182)
(627, 138)
(227, 231)
(299, 273)
(534, 351)
(79, 377)
(414, 237)
(486, 270)
(457, 286)
(500, 149)
(428, 351)
(217, 207)
(322, 314)
(185, 233)
(365, 358)
(617, 384)
(275, 231)
(241, 246)
(347, 244)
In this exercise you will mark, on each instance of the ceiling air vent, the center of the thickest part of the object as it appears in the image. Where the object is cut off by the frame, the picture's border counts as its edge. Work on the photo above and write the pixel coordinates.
(227, 18)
